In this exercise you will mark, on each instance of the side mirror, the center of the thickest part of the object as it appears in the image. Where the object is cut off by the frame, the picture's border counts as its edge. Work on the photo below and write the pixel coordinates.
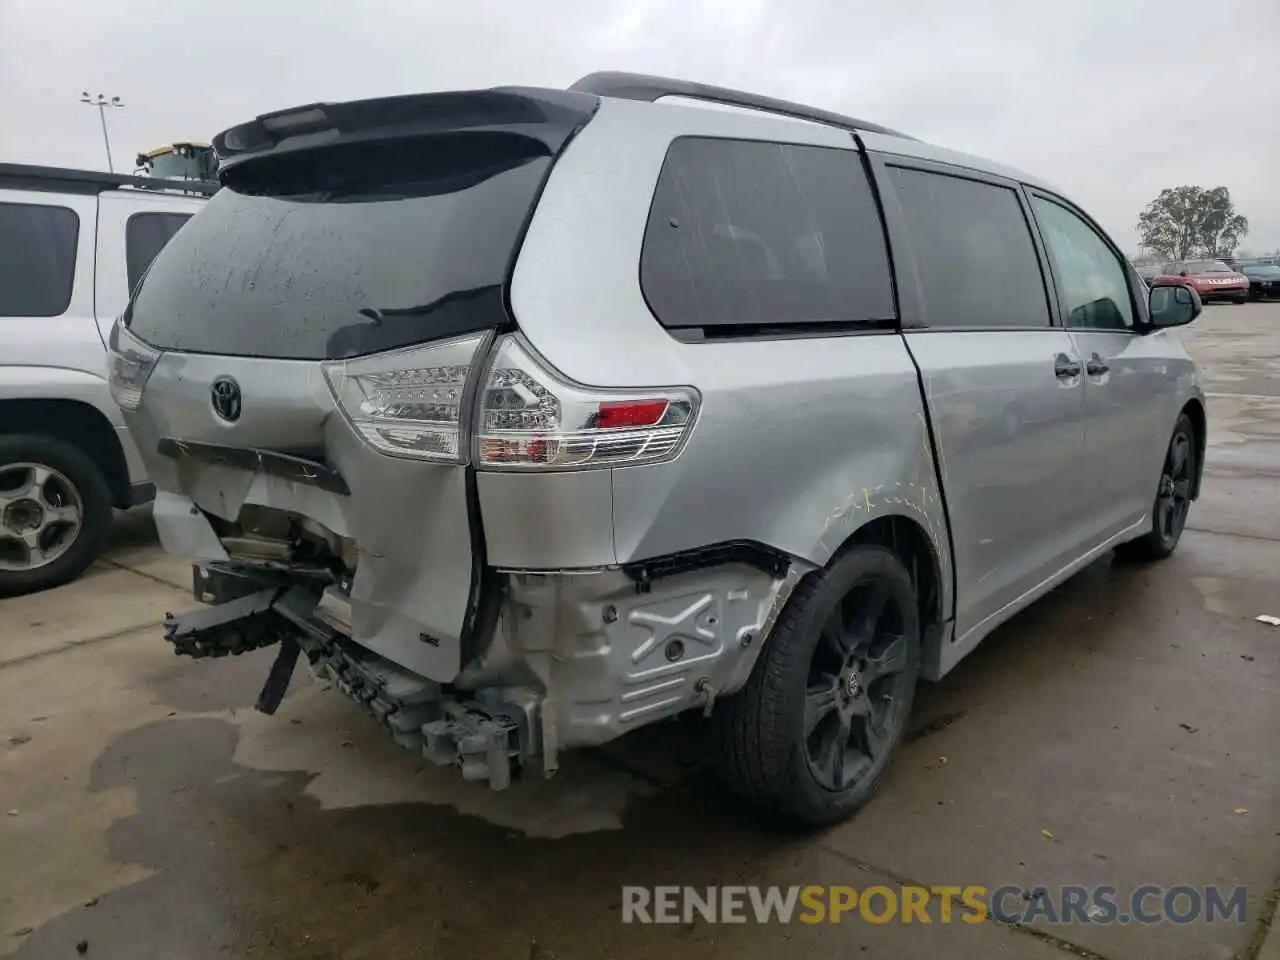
(1173, 306)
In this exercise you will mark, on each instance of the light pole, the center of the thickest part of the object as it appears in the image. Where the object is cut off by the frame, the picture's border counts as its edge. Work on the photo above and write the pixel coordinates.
(102, 103)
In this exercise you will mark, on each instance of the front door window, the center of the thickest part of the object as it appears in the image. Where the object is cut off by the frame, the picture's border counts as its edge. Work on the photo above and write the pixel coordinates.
(1092, 281)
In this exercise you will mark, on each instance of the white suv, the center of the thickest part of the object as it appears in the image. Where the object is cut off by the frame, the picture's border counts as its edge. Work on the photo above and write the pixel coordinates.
(74, 244)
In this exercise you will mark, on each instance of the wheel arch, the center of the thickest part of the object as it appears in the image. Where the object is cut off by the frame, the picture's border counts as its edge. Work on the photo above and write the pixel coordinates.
(763, 740)
(930, 569)
(922, 555)
(75, 422)
(910, 543)
(1194, 410)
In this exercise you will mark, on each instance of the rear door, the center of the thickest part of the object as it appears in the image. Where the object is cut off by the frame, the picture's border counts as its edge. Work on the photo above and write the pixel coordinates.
(1003, 383)
(1130, 396)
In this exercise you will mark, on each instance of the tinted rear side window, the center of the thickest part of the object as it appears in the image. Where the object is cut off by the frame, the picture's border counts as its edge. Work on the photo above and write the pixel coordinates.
(749, 233)
(347, 250)
(37, 259)
(977, 263)
(145, 235)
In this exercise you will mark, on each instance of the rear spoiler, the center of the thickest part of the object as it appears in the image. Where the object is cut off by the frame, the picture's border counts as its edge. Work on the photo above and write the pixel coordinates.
(548, 116)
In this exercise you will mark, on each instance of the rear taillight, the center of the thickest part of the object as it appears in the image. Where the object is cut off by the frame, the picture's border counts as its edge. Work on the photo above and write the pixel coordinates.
(530, 418)
(129, 365)
(409, 403)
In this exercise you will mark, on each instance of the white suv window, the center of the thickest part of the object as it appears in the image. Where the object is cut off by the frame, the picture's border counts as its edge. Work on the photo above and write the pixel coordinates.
(37, 259)
(145, 236)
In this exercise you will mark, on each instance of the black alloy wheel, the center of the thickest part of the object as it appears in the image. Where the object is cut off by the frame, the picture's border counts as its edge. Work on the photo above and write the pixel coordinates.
(854, 687)
(811, 734)
(1173, 498)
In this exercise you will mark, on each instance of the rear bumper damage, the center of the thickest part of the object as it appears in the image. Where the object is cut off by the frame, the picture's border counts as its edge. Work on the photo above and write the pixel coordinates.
(486, 740)
(573, 659)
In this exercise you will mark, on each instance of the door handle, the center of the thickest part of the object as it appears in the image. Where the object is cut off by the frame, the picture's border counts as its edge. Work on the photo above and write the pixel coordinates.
(1064, 367)
(1096, 366)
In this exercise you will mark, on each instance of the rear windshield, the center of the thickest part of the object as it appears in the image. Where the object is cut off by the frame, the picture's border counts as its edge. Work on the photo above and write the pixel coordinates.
(346, 250)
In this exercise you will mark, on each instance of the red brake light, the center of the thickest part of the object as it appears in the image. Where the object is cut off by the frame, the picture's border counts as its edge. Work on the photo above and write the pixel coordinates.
(629, 413)
(530, 417)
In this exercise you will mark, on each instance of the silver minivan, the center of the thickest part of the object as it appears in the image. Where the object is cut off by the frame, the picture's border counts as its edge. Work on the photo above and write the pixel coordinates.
(533, 417)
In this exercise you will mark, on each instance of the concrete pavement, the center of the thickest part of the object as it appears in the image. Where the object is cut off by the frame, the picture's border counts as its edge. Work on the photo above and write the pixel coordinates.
(1123, 731)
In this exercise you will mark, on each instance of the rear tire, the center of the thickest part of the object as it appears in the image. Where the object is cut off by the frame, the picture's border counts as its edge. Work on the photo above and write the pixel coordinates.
(42, 479)
(810, 735)
(1173, 498)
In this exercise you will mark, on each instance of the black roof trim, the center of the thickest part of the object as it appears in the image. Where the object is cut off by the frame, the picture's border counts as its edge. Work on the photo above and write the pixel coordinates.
(551, 116)
(641, 86)
(23, 176)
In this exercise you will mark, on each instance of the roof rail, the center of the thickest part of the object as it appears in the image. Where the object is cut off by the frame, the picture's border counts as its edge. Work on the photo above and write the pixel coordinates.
(640, 86)
(23, 176)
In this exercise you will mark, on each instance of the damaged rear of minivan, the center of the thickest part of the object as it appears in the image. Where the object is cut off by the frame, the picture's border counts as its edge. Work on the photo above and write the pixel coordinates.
(300, 369)
(533, 417)
(316, 368)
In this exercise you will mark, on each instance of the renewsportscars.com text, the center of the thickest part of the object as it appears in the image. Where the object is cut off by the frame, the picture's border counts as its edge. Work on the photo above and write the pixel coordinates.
(1009, 904)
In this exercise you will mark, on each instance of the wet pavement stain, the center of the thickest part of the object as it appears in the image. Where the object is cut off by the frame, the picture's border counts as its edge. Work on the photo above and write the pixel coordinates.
(173, 913)
(249, 866)
(249, 863)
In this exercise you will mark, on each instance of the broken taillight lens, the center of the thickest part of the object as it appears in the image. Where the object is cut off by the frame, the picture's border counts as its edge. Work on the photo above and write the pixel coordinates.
(129, 365)
(410, 403)
(531, 418)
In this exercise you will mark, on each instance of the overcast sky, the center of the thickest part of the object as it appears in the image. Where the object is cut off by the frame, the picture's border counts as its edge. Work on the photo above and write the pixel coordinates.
(1109, 99)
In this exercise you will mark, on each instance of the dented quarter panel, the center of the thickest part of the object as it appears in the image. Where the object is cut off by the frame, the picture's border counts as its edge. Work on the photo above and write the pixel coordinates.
(845, 446)
(798, 464)
(547, 520)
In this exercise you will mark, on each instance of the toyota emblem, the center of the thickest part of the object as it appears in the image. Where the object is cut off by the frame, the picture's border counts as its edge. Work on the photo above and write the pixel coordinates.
(226, 399)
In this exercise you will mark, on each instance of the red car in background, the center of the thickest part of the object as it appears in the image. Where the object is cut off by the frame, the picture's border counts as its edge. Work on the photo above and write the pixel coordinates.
(1212, 279)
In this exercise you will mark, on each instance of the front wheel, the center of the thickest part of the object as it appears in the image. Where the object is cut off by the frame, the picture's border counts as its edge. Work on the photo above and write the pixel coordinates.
(55, 513)
(1173, 498)
(827, 703)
